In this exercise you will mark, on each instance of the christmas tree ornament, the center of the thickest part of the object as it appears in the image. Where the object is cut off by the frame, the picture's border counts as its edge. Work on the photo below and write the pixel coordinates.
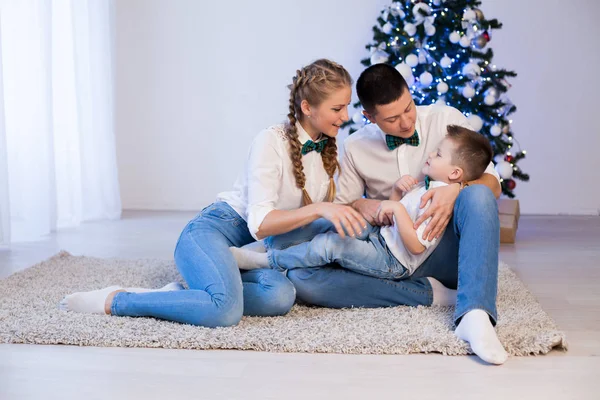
(358, 118)
(479, 14)
(509, 159)
(404, 69)
(504, 169)
(410, 29)
(422, 58)
(489, 100)
(379, 57)
(396, 10)
(468, 92)
(429, 30)
(511, 184)
(476, 122)
(419, 10)
(446, 61)
(425, 78)
(469, 15)
(471, 70)
(492, 92)
(412, 60)
(506, 129)
(499, 158)
(441, 101)
(496, 130)
(387, 28)
(442, 87)
(465, 41)
(454, 37)
(437, 2)
(479, 42)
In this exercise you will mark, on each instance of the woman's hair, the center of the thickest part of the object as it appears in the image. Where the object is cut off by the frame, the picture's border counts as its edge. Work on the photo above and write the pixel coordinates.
(314, 83)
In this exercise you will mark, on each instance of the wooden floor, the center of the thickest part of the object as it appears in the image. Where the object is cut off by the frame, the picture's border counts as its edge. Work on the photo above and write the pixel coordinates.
(557, 257)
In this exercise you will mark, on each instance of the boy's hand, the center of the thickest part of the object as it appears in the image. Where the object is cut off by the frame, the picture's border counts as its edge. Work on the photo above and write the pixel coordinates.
(368, 208)
(405, 184)
(385, 212)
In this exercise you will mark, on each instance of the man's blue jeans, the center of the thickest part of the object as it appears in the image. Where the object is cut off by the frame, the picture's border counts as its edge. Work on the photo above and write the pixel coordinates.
(466, 258)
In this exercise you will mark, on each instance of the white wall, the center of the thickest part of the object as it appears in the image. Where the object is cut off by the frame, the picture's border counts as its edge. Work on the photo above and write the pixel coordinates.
(197, 80)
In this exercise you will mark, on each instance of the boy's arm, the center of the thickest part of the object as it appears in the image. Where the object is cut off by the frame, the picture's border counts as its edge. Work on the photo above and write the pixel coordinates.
(404, 225)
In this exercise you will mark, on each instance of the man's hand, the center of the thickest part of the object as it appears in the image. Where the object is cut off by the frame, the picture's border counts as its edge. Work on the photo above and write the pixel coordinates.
(440, 209)
(368, 209)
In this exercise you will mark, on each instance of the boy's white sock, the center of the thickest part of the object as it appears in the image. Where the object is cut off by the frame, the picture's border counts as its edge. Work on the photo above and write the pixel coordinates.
(247, 259)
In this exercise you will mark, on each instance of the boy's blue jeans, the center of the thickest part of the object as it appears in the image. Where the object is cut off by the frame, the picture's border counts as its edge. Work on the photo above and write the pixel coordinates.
(367, 254)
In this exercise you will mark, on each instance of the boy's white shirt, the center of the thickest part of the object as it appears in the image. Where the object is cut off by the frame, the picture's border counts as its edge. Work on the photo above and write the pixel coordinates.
(411, 201)
(368, 165)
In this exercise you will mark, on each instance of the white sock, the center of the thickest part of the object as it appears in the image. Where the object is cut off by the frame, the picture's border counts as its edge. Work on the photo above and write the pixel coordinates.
(87, 302)
(442, 296)
(167, 288)
(476, 328)
(247, 259)
(258, 246)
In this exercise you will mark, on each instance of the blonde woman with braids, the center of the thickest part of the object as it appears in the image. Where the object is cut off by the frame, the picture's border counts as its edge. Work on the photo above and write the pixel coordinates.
(289, 183)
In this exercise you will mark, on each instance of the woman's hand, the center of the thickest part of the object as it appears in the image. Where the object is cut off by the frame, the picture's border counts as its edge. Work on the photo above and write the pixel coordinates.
(345, 219)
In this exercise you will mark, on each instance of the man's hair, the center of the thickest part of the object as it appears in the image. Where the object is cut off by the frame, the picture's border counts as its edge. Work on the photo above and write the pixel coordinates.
(472, 151)
(379, 84)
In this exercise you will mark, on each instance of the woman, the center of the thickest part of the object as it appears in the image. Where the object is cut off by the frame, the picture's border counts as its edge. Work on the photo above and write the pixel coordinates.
(289, 182)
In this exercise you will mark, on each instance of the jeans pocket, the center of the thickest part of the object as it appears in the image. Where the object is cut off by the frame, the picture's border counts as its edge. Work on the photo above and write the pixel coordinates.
(221, 211)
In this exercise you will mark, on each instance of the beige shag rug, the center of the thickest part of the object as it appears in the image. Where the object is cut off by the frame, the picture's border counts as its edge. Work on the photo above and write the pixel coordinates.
(29, 314)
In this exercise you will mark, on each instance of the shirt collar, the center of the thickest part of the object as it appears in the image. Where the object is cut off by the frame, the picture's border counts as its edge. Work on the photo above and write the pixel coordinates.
(303, 136)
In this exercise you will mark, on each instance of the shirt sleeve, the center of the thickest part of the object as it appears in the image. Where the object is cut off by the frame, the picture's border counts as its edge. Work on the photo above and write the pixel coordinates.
(411, 202)
(350, 186)
(265, 171)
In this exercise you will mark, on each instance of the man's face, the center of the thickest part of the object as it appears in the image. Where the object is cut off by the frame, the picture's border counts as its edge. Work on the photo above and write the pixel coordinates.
(396, 118)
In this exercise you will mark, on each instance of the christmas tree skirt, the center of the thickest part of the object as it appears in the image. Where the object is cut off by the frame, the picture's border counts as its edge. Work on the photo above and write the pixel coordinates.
(29, 314)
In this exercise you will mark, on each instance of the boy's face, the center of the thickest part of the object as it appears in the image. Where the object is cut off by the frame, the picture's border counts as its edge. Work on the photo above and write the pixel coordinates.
(439, 165)
(397, 118)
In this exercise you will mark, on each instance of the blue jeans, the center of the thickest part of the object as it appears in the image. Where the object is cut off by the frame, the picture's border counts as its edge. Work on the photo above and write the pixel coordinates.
(466, 258)
(367, 254)
(218, 292)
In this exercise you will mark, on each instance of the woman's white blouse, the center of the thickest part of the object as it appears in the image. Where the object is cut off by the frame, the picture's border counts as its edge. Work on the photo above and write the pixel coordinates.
(268, 182)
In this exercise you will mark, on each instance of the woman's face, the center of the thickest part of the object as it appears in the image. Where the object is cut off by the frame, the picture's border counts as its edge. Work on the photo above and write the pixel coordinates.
(329, 115)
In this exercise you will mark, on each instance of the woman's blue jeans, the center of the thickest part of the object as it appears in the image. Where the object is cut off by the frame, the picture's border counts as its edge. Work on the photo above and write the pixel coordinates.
(219, 293)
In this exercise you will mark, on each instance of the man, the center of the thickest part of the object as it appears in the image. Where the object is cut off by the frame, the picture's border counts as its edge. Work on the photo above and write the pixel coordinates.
(397, 143)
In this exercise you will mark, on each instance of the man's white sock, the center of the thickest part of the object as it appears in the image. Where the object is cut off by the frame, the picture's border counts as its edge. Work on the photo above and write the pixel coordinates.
(476, 328)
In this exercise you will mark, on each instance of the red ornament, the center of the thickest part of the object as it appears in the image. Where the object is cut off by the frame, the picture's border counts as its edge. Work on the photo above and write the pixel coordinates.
(486, 35)
(511, 184)
(508, 158)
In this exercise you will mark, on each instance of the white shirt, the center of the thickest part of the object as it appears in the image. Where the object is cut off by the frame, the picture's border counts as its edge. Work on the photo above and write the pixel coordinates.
(369, 165)
(268, 182)
(393, 240)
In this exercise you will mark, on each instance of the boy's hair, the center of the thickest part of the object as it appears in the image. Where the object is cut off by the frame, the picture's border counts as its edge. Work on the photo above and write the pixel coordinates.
(472, 151)
(379, 84)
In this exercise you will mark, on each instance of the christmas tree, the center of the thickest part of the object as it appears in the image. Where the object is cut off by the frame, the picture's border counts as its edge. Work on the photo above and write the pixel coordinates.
(441, 49)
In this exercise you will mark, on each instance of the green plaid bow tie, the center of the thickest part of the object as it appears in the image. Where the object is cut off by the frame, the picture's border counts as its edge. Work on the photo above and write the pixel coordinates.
(427, 182)
(310, 146)
(395, 141)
